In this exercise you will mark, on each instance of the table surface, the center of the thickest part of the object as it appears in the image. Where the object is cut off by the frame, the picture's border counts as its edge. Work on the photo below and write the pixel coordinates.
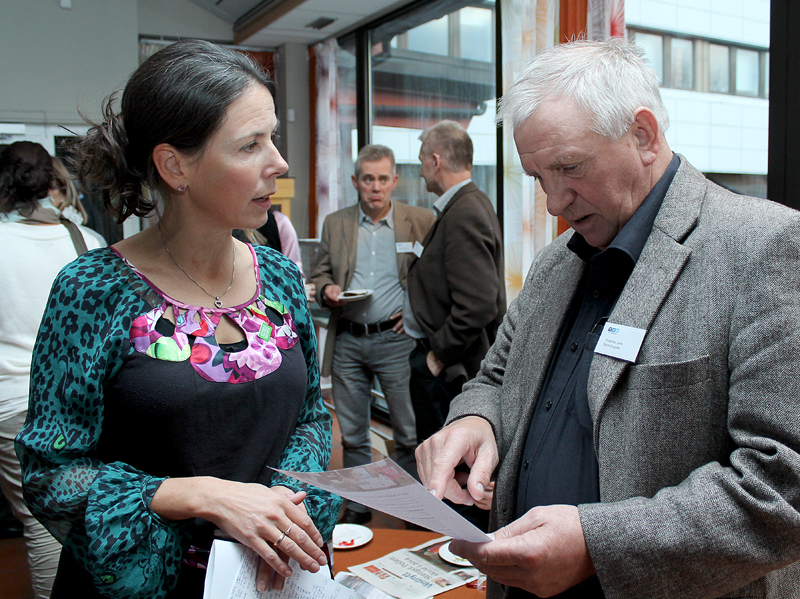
(386, 540)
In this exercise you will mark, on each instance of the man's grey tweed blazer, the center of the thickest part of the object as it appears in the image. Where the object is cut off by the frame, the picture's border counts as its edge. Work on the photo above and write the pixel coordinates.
(698, 442)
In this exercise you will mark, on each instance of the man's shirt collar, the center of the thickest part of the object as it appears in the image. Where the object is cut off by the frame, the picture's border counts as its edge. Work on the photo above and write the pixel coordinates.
(634, 234)
(388, 219)
(443, 200)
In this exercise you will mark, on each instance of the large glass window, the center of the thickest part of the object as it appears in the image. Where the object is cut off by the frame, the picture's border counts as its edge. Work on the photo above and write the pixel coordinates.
(427, 65)
(432, 37)
(475, 37)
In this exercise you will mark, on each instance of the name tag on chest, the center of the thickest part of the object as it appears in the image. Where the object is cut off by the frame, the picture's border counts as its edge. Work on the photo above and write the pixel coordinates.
(406, 247)
(620, 341)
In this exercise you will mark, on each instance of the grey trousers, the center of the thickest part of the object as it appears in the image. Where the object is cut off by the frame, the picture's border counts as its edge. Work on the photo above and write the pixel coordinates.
(43, 550)
(356, 361)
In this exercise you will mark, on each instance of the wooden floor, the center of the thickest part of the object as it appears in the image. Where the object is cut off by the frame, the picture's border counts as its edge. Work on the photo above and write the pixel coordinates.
(15, 579)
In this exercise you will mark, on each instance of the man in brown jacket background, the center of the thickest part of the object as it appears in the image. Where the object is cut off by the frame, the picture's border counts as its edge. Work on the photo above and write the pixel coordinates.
(369, 246)
(456, 289)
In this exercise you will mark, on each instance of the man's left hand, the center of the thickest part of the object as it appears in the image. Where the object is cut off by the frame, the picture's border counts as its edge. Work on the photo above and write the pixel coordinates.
(543, 552)
(398, 326)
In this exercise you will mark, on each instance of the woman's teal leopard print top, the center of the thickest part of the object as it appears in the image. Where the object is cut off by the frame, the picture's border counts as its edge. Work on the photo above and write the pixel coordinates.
(100, 511)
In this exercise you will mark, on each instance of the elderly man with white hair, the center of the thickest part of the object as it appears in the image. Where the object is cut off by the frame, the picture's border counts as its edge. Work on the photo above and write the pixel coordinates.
(638, 411)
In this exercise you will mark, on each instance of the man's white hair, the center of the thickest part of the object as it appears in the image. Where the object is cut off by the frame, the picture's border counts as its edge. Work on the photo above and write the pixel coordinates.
(608, 80)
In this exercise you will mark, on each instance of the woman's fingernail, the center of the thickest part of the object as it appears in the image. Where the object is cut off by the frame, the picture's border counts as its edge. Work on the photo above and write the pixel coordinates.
(323, 561)
(262, 586)
(433, 492)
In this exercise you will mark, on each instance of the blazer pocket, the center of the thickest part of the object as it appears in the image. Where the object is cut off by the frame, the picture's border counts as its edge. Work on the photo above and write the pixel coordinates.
(669, 375)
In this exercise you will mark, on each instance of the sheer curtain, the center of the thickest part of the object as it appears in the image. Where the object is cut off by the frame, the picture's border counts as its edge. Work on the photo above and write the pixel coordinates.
(528, 27)
(328, 193)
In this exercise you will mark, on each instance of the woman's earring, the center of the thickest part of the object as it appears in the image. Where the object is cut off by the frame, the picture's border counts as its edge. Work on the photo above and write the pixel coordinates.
(182, 188)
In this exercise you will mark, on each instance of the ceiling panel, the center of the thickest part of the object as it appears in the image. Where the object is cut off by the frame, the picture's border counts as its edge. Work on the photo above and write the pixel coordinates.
(291, 27)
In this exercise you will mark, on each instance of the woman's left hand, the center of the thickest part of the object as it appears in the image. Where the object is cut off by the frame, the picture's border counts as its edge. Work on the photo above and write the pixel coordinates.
(267, 578)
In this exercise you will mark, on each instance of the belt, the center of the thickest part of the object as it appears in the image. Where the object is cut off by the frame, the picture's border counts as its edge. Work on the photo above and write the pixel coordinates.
(356, 329)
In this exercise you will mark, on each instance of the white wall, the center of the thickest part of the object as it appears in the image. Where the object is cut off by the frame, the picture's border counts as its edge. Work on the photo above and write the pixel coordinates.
(55, 59)
(293, 94)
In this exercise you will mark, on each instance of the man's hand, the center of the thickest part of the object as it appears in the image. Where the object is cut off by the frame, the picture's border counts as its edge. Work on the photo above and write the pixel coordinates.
(543, 552)
(435, 365)
(469, 440)
(398, 326)
(331, 294)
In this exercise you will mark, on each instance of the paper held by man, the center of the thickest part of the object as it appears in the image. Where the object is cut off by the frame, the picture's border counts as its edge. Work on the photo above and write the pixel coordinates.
(386, 487)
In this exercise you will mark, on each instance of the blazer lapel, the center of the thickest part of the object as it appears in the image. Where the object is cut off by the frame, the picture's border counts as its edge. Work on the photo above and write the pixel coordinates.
(350, 236)
(661, 262)
(402, 233)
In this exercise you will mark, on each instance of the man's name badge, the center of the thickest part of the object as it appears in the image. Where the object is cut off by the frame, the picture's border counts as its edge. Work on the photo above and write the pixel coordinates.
(619, 341)
(418, 248)
(404, 247)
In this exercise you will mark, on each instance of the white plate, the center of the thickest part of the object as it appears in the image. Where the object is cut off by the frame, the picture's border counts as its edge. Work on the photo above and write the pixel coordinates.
(350, 536)
(452, 558)
(354, 295)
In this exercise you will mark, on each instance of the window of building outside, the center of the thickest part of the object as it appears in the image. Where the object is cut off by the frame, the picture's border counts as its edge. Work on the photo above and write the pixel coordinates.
(747, 72)
(702, 65)
(686, 64)
(653, 46)
(682, 63)
(719, 68)
(427, 65)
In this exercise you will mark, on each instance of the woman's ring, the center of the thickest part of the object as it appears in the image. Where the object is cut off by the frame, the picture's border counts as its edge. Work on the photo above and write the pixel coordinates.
(283, 536)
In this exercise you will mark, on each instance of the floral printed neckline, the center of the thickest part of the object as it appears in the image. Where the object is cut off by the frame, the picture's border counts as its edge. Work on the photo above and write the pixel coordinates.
(264, 338)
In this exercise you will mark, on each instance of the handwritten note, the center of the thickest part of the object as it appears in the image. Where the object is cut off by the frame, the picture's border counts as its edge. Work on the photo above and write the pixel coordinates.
(232, 570)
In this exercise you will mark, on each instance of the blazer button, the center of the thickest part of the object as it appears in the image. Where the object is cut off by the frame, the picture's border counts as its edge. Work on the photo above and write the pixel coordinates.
(548, 405)
(574, 346)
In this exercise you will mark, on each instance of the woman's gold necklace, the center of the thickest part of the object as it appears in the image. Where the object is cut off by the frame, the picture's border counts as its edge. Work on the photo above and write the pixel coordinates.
(217, 298)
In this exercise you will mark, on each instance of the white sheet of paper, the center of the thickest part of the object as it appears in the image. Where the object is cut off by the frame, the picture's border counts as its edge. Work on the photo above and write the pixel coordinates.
(386, 487)
(418, 248)
(232, 570)
(404, 247)
(620, 341)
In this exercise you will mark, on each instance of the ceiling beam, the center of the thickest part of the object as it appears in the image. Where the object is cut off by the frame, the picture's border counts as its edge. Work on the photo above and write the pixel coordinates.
(246, 27)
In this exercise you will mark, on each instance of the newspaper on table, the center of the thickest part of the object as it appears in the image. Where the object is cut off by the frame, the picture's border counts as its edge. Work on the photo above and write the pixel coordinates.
(232, 570)
(415, 573)
(386, 487)
(360, 586)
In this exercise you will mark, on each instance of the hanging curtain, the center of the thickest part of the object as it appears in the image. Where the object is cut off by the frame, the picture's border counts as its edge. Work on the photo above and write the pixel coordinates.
(605, 19)
(528, 27)
(329, 197)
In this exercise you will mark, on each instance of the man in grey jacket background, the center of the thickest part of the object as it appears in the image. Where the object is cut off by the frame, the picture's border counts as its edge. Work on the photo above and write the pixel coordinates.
(639, 406)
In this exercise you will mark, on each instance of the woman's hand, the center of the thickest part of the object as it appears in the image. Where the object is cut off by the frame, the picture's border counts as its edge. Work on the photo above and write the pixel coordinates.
(267, 578)
(270, 521)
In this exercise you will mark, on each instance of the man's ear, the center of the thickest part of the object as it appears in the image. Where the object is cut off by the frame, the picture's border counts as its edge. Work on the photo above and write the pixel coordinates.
(355, 181)
(647, 135)
(170, 164)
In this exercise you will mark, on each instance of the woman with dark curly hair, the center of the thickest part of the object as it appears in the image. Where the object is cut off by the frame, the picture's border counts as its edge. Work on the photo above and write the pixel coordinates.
(176, 368)
(34, 246)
